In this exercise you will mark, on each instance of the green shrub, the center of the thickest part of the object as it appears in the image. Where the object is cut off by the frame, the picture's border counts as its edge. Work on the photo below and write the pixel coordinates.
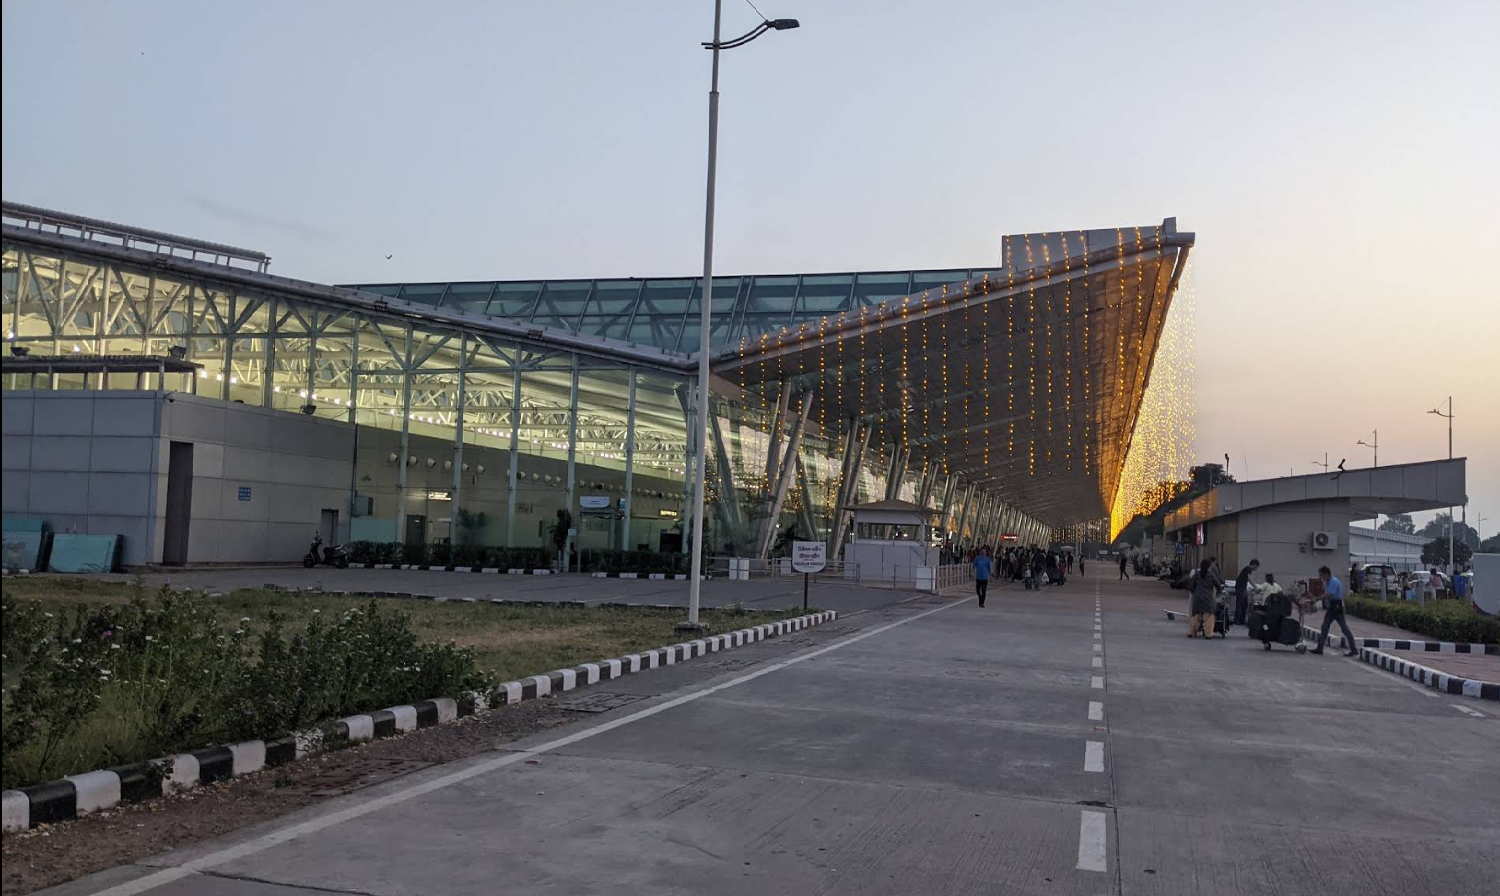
(414, 554)
(105, 685)
(1445, 620)
(439, 554)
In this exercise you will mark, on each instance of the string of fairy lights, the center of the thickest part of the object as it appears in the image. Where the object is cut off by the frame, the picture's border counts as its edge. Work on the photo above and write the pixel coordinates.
(1161, 450)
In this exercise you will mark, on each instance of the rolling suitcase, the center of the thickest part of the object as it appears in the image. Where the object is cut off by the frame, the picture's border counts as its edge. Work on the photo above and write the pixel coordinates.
(1257, 625)
(1290, 633)
(1221, 620)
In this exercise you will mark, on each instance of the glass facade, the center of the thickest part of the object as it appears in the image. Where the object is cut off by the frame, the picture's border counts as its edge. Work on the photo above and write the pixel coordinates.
(664, 312)
(466, 435)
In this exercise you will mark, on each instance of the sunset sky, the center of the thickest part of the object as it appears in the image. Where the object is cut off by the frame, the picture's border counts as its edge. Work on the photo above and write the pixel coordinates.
(1338, 162)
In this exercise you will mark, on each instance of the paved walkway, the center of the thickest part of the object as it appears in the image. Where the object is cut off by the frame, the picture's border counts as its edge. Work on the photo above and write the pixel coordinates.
(1037, 746)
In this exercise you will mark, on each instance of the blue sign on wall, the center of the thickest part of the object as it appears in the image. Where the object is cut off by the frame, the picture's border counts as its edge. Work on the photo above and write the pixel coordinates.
(244, 493)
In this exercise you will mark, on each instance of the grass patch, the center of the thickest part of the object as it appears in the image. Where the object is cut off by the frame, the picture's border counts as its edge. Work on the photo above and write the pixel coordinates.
(1443, 620)
(132, 674)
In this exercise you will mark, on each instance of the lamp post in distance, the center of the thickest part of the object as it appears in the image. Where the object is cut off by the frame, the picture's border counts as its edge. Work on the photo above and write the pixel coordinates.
(1449, 417)
(706, 299)
(1374, 445)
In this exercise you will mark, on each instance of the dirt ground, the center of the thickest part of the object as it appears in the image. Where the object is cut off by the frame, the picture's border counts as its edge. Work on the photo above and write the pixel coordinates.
(52, 854)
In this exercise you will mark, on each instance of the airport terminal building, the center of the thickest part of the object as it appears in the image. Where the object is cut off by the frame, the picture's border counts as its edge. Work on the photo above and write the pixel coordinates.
(175, 392)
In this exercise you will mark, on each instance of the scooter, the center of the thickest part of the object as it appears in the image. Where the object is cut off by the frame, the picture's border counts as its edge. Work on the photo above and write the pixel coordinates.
(333, 555)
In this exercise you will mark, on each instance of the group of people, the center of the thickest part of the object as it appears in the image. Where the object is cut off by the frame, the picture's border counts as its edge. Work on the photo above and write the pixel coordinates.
(1014, 564)
(1209, 580)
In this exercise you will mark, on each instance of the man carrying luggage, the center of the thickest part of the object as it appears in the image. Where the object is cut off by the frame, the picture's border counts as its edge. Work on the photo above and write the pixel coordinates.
(1242, 592)
(1333, 592)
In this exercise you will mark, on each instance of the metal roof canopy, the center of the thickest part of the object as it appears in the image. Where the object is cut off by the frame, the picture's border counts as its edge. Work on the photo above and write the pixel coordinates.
(96, 364)
(1401, 488)
(1027, 382)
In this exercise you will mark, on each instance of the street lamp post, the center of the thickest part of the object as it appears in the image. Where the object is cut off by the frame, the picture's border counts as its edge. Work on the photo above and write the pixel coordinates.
(1449, 417)
(1374, 445)
(705, 299)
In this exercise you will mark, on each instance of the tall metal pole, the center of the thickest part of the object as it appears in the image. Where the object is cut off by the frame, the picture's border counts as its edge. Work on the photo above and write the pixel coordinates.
(1451, 567)
(705, 308)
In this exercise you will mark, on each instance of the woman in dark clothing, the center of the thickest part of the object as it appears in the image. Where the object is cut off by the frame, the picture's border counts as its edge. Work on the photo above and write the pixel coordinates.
(1206, 587)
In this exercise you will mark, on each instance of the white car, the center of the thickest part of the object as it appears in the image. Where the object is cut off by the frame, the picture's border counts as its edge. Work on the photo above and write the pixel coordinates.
(1418, 580)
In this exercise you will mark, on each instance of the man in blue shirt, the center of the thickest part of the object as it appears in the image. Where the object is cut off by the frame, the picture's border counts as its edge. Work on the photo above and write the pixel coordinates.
(982, 572)
(1333, 592)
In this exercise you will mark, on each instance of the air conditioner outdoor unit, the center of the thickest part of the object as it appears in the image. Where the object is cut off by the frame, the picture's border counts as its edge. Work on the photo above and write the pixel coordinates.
(1324, 541)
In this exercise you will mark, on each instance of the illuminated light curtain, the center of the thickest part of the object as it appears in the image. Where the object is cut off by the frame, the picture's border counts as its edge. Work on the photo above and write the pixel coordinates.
(1161, 450)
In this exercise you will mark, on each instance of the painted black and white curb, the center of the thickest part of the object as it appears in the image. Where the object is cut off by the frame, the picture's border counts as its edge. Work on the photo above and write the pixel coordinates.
(493, 570)
(1400, 644)
(1448, 684)
(94, 791)
(672, 576)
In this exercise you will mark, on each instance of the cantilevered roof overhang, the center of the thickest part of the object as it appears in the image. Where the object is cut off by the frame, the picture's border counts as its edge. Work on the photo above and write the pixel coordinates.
(1026, 383)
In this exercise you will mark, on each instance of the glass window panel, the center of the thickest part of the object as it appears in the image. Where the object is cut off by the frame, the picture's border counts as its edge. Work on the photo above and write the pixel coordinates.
(771, 294)
(825, 293)
(614, 296)
(667, 296)
(718, 332)
(423, 293)
(660, 467)
(614, 327)
(382, 289)
(660, 330)
(514, 299)
(757, 324)
(872, 289)
(469, 297)
(563, 298)
(935, 280)
(726, 294)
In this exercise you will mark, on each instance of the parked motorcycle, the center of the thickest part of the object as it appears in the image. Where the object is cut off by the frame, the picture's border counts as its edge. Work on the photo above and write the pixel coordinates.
(334, 555)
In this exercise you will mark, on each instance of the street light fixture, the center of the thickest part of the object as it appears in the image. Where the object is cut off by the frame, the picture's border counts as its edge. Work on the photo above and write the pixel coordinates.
(1449, 417)
(706, 297)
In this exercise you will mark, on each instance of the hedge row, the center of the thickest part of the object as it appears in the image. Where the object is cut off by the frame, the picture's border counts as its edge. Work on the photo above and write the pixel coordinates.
(1444, 620)
(445, 555)
(512, 558)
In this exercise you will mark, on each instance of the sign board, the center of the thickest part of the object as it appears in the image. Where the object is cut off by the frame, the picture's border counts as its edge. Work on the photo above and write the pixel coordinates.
(809, 556)
(244, 493)
(1199, 536)
(1181, 548)
(1010, 537)
(593, 502)
(439, 496)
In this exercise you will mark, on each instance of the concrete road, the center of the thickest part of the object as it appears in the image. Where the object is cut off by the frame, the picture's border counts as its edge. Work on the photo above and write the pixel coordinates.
(1034, 746)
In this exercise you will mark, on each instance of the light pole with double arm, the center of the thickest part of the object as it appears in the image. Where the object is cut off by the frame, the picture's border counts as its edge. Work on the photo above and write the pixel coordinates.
(1449, 417)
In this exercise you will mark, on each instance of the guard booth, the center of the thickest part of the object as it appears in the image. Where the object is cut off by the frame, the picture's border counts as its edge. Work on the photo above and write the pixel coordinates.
(891, 540)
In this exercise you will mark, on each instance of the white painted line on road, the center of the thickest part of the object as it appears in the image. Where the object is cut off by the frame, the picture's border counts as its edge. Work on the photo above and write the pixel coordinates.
(1096, 711)
(1091, 830)
(1098, 647)
(1469, 711)
(1098, 682)
(1098, 662)
(1098, 627)
(1093, 756)
(1097, 636)
(375, 804)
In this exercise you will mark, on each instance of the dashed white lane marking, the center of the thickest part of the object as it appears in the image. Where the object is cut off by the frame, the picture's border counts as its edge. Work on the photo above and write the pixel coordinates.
(1093, 756)
(1097, 636)
(1098, 627)
(360, 809)
(1098, 662)
(1468, 710)
(1098, 682)
(1098, 648)
(1096, 711)
(1091, 834)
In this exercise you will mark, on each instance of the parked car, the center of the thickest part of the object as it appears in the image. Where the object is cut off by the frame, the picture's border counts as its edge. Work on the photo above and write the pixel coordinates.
(1373, 573)
(1418, 580)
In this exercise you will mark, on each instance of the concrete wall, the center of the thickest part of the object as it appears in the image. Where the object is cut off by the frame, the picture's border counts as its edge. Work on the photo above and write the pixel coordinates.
(85, 462)
(96, 463)
(294, 468)
(1279, 537)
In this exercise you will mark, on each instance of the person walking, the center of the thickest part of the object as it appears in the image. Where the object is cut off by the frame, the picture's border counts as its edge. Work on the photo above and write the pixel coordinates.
(1201, 607)
(1242, 592)
(1124, 576)
(982, 573)
(1430, 587)
(1333, 592)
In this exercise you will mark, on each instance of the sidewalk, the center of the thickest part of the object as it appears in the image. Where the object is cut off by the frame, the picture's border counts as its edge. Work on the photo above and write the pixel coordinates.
(1465, 665)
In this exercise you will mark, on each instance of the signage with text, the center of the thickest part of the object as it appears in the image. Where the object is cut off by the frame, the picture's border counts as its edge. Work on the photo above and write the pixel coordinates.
(809, 556)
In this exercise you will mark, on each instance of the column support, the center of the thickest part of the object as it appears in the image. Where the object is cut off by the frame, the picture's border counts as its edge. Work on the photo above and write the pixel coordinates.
(784, 481)
(629, 464)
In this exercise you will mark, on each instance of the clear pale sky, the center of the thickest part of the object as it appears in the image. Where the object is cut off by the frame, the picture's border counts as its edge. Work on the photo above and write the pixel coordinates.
(1340, 163)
